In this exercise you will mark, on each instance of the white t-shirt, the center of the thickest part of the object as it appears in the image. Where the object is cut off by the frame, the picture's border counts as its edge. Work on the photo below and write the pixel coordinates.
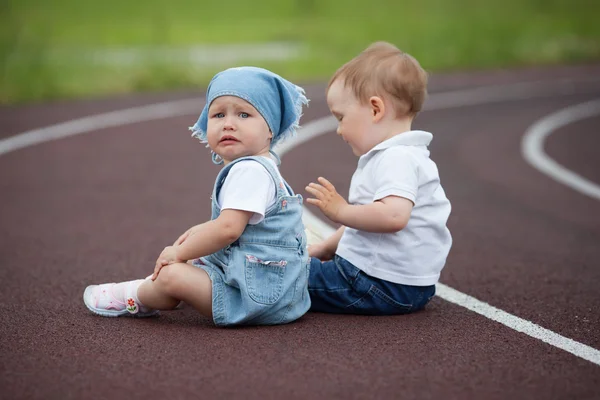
(400, 166)
(249, 187)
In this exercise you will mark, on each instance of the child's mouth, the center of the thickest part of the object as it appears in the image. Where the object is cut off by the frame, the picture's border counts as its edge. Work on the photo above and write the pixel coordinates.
(228, 140)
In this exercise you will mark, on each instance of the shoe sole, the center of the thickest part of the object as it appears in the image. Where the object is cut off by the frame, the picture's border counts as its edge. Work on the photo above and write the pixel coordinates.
(113, 314)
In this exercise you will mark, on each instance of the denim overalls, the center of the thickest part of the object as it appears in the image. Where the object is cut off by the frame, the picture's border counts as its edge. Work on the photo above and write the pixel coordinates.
(261, 278)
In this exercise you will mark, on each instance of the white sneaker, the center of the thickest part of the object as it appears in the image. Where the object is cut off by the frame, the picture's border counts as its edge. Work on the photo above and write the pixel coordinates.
(100, 300)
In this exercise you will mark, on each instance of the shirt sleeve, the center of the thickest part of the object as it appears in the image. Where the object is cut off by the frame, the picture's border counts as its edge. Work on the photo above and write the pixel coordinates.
(248, 187)
(396, 173)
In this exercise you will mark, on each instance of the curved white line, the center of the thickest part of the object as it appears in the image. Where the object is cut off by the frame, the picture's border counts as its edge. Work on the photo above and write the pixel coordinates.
(532, 146)
(101, 121)
(317, 230)
(318, 127)
(437, 101)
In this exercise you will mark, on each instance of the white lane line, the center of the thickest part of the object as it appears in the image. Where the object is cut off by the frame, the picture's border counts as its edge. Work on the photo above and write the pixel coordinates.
(318, 127)
(101, 121)
(519, 324)
(436, 101)
(532, 146)
(318, 230)
(515, 91)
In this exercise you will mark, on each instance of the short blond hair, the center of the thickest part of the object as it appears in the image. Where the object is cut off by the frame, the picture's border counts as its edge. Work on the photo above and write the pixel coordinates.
(384, 70)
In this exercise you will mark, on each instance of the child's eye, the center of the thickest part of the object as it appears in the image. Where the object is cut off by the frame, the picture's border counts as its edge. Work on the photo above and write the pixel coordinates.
(219, 115)
(244, 115)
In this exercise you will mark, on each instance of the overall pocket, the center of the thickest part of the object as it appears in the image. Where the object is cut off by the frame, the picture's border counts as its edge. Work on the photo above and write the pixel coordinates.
(264, 279)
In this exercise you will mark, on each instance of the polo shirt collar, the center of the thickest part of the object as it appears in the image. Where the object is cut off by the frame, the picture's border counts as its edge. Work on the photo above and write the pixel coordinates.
(410, 138)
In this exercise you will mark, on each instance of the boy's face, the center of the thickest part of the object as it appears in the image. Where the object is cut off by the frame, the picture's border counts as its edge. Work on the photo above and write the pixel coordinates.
(236, 129)
(354, 118)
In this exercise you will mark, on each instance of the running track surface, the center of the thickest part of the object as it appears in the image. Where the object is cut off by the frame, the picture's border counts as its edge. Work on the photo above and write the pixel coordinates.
(99, 207)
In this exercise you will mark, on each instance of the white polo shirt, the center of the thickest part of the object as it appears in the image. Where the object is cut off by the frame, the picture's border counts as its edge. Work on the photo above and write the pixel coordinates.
(400, 166)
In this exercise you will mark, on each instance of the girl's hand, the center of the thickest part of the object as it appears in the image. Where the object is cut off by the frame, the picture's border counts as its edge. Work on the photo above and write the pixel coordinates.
(327, 198)
(182, 238)
(168, 256)
(185, 235)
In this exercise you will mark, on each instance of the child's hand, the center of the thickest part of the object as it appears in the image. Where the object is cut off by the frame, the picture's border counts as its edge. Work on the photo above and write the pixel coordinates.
(168, 256)
(182, 238)
(320, 251)
(327, 199)
(185, 235)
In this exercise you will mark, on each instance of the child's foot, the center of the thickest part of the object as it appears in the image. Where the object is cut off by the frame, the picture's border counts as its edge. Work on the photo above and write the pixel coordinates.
(115, 300)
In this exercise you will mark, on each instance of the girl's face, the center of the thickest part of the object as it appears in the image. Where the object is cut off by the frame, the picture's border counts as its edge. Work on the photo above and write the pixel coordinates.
(236, 129)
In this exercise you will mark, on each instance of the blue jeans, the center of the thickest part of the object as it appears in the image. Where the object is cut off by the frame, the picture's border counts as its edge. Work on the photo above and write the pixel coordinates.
(337, 286)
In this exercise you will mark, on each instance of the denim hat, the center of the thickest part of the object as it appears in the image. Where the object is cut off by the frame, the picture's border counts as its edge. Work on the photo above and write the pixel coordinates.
(276, 99)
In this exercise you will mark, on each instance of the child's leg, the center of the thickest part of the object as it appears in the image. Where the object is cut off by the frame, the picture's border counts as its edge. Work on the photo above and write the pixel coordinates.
(339, 287)
(329, 289)
(177, 282)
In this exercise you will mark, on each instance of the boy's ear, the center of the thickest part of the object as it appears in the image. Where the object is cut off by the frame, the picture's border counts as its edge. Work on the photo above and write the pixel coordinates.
(377, 108)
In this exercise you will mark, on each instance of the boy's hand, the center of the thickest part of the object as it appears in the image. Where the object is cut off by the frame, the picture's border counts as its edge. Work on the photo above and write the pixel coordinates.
(320, 251)
(327, 198)
(168, 256)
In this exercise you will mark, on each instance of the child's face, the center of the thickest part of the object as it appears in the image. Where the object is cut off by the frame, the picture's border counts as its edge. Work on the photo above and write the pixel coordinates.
(236, 129)
(354, 118)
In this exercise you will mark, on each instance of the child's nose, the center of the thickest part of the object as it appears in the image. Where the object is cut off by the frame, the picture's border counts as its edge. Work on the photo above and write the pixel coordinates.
(228, 124)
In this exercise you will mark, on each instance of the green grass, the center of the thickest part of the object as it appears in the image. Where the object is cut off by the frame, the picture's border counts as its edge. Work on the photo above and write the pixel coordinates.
(441, 34)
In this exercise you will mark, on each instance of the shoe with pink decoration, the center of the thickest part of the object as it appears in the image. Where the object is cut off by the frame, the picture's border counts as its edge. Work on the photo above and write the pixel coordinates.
(116, 300)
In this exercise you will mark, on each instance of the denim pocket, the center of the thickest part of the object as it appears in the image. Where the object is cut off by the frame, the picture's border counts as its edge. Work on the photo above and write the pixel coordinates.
(264, 279)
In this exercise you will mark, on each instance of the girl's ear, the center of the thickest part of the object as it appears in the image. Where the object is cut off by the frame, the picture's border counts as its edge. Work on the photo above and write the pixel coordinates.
(377, 108)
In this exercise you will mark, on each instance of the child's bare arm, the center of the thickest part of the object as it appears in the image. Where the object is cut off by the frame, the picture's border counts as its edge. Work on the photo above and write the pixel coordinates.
(213, 235)
(185, 235)
(390, 214)
(325, 250)
(205, 239)
(332, 241)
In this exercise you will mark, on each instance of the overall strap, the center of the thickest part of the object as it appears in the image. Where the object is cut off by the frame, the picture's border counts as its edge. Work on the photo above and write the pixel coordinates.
(279, 184)
(220, 181)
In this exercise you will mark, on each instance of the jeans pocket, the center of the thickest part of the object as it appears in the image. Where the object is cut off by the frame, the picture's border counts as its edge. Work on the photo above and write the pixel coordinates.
(376, 302)
(264, 279)
(347, 270)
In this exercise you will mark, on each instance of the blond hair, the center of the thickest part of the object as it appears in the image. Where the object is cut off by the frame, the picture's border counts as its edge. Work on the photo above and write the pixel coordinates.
(385, 71)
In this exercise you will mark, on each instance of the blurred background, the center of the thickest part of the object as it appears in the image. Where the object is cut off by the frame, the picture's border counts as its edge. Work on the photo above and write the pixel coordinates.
(52, 49)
